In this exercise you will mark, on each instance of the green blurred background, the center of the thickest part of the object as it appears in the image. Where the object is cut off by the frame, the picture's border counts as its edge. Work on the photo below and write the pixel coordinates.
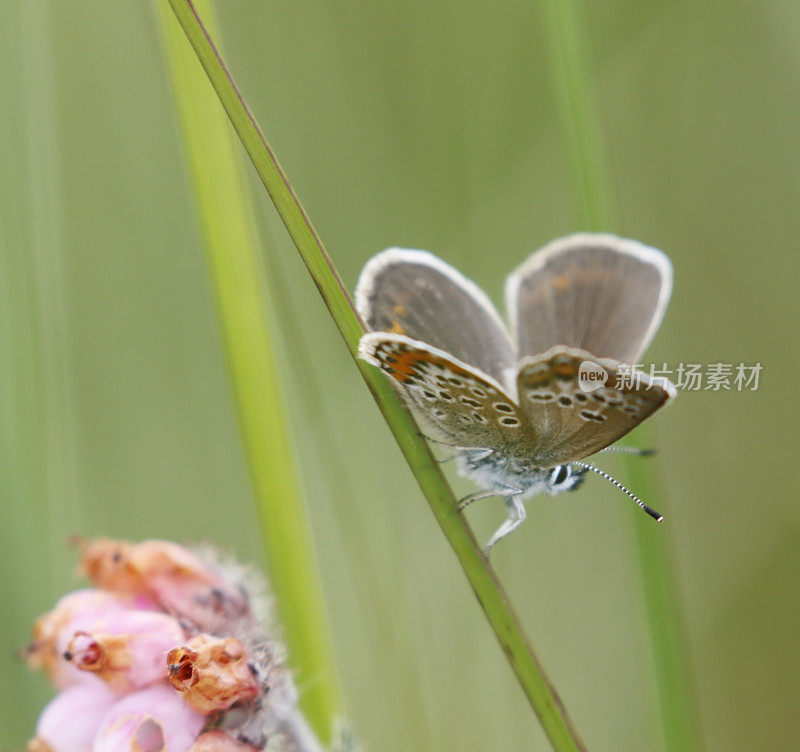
(429, 125)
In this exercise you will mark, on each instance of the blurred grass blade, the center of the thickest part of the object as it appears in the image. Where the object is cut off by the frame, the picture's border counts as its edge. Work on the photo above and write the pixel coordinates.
(577, 94)
(676, 690)
(242, 297)
(581, 115)
(37, 495)
(540, 693)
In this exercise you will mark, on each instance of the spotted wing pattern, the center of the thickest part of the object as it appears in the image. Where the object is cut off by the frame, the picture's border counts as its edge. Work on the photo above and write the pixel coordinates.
(468, 407)
(572, 423)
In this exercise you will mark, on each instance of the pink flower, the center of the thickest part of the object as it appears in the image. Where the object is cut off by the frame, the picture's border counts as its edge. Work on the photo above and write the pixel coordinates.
(171, 575)
(126, 649)
(70, 721)
(116, 650)
(155, 719)
(53, 631)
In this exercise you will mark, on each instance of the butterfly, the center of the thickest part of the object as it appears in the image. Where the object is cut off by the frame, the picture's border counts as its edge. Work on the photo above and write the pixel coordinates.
(518, 404)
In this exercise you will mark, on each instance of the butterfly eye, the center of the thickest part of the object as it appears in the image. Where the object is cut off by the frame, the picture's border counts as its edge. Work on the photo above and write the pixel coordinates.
(560, 475)
(565, 478)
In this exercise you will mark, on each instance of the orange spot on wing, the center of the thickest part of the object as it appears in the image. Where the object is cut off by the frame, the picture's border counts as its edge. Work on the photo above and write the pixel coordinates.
(562, 282)
(564, 368)
(397, 328)
(405, 365)
(399, 310)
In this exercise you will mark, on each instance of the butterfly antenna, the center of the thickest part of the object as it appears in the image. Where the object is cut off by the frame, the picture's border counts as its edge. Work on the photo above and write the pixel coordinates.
(639, 503)
(635, 451)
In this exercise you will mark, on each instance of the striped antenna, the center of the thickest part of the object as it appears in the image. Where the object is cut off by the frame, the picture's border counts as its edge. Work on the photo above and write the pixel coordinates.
(639, 503)
(634, 451)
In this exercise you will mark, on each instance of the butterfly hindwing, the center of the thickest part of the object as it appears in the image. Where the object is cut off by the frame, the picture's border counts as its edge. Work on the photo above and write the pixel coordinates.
(572, 423)
(599, 293)
(468, 408)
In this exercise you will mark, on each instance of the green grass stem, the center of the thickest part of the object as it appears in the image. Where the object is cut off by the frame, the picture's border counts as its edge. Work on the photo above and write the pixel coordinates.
(243, 301)
(577, 92)
(540, 693)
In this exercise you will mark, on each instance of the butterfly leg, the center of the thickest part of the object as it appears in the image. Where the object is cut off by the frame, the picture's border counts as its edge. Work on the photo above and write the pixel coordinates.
(515, 518)
(477, 496)
(484, 451)
(470, 498)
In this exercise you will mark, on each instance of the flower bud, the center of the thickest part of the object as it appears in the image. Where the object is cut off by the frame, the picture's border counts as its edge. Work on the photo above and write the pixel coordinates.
(71, 720)
(212, 674)
(174, 577)
(53, 631)
(155, 719)
(126, 649)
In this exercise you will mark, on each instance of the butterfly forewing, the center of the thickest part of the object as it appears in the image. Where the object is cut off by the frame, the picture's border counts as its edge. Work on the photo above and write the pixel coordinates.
(416, 294)
(469, 408)
(599, 293)
(572, 423)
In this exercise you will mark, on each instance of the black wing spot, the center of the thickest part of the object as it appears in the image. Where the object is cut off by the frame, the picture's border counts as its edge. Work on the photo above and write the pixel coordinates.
(469, 402)
(596, 417)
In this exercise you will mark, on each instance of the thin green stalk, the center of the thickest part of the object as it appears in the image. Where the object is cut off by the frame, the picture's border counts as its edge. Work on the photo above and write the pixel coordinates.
(34, 440)
(577, 93)
(540, 693)
(581, 114)
(361, 560)
(677, 700)
(243, 302)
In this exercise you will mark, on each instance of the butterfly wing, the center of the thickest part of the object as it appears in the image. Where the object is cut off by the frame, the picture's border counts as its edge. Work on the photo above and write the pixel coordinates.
(599, 293)
(418, 295)
(570, 423)
(469, 408)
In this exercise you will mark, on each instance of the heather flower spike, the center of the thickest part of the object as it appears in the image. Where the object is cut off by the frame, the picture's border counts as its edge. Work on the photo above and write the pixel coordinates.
(168, 653)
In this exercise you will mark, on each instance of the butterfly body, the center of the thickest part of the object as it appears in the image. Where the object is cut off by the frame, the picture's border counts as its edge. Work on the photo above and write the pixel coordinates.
(514, 410)
(509, 475)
